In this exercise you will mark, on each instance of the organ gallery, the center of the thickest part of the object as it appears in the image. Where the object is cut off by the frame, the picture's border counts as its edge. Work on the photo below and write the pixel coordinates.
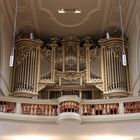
(70, 65)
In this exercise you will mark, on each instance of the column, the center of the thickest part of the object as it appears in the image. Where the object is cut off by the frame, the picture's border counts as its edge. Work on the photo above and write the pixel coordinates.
(18, 108)
(121, 108)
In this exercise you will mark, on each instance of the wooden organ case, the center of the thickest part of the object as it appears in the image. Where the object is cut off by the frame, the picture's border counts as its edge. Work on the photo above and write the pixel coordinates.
(69, 66)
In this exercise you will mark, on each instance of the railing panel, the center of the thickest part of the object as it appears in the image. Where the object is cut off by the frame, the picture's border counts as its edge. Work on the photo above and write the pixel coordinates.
(132, 107)
(39, 109)
(8, 107)
(69, 106)
(100, 109)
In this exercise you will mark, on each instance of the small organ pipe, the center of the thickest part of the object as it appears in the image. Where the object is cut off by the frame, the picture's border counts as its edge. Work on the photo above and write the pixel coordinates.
(112, 70)
(38, 69)
(18, 76)
(108, 70)
(33, 68)
(104, 64)
(28, 72)
(63, 54)
(114, 62)
(25, 81)
(24, 75)
(119, 74)
(78, 58)
(22, 81)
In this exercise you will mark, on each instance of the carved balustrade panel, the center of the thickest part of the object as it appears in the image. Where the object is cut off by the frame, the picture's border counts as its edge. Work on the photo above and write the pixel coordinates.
(100, 109)
(39, 109)
(8, 107)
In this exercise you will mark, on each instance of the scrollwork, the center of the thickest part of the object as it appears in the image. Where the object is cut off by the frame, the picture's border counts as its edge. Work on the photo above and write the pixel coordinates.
(21, 53)
(70, 75)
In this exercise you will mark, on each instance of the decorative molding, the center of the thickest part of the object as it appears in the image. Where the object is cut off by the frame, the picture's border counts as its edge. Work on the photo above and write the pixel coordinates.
(70, 75)
(85, 19)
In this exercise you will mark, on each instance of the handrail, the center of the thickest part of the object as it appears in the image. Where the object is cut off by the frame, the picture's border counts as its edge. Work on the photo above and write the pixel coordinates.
(83, 101)
(84, 108)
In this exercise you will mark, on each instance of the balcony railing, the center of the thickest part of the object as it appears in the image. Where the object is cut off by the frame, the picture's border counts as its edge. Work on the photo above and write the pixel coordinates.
(69, 107)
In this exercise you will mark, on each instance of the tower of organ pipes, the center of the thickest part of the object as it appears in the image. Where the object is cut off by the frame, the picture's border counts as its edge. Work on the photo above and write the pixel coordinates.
(115, 76)
(70, 66)
(26, 66)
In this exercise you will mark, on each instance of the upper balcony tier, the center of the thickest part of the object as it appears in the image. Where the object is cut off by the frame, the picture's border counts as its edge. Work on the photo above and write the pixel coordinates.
(69, 108)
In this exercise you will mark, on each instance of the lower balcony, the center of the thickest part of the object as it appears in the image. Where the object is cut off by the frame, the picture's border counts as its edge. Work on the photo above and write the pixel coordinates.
(69, 108)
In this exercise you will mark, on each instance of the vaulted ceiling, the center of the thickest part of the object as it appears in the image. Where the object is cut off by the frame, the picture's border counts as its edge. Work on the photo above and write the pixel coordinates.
(95, 16)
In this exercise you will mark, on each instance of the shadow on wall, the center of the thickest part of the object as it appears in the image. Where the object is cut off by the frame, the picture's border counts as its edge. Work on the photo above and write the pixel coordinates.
(138, 61)
(1, 54)
(138, 58)
(1, 61)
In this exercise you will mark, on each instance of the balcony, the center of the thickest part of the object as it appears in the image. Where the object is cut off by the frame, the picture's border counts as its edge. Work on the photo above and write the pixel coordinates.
(69, 107)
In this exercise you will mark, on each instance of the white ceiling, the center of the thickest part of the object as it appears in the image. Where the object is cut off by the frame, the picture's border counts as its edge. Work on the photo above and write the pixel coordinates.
(69, 130)
(96, 15)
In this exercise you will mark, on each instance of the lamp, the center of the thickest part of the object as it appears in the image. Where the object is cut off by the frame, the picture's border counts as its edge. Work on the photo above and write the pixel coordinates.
(11, 62)
(64, 11)
(107, 35)
(124, 60)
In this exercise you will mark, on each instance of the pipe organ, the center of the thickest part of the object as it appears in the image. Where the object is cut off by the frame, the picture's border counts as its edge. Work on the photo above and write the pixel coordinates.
(70, 66)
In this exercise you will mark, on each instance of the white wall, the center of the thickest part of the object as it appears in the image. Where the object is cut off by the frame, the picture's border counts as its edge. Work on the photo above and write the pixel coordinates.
(5, 43)
(134, 49)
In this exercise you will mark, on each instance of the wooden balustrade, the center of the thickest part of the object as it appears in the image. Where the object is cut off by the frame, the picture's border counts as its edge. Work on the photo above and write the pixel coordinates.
(100, 109)
(69, 106)
(8, 107)
(39, 109)
(83, 108)
(132, 107)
